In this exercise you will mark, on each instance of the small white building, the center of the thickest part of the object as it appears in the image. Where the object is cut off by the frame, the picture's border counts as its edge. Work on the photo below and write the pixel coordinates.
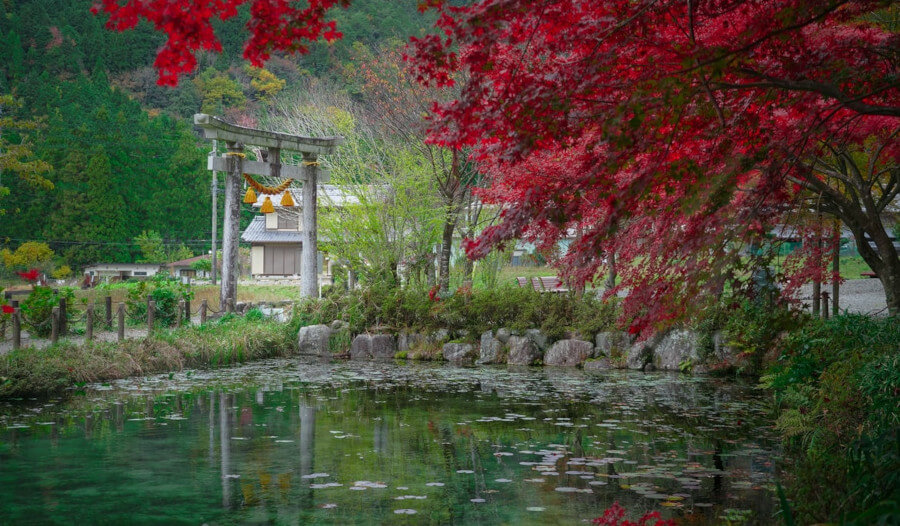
(121, 271)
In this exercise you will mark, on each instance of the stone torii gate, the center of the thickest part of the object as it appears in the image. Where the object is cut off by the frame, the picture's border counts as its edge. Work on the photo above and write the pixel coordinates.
(235, 165)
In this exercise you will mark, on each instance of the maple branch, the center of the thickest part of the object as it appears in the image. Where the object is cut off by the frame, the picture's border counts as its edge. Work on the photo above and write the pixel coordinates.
(854, 103)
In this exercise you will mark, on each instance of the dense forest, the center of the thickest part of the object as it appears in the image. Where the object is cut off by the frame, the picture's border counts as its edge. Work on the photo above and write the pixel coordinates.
(122, 153)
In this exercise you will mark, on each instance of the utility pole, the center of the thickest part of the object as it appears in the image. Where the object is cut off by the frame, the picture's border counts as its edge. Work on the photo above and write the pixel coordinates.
(215, 191)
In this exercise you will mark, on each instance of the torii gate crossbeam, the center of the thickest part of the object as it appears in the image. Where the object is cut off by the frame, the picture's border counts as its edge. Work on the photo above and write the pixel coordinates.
(236, 138)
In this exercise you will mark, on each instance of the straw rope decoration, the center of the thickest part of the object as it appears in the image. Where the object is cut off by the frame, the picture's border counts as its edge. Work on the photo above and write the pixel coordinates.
(267, 207)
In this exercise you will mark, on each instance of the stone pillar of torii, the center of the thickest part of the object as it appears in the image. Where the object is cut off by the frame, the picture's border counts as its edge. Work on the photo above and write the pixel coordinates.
(234, 164)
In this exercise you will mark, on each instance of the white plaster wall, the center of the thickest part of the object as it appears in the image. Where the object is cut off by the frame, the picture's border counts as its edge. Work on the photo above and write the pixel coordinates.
(257, 256)
(271, 223)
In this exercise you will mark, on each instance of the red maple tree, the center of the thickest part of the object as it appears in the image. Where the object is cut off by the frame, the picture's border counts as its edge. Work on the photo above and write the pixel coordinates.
(666, 132)
(671, 132)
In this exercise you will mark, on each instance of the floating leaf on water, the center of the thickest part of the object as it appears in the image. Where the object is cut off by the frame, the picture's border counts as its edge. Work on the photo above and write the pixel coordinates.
(477, 500)
(535, 508)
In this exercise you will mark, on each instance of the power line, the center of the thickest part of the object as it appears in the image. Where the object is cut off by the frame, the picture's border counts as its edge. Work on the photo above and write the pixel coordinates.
(193, 242)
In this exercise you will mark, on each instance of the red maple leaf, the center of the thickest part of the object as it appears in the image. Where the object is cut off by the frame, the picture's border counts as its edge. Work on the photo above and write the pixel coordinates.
(32, 275)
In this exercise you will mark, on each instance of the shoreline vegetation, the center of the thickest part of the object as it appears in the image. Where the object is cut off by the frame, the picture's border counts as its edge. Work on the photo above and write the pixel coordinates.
(230, 340)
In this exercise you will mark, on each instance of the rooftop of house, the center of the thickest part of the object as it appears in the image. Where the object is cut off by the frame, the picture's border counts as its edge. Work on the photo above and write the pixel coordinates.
(187, 262)
(328, 195)
(256, 233)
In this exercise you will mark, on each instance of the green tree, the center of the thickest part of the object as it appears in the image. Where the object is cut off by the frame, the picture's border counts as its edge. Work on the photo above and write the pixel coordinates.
(89, 215)
(152, 248)
(385, 215)
(218, 92)
(16, 156)
(31, 254)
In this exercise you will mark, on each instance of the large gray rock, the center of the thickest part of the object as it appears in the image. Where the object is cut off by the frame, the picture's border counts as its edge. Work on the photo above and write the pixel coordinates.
(361, 348)
(522, 351)
(313, 339)
(539, 338)
(489, 351)
(676, 348)
(373, 347)
(384, 346)
(459, 353)
(613, 342)
(568, 353)
(641, 353)
(602, 364)
(503, 334)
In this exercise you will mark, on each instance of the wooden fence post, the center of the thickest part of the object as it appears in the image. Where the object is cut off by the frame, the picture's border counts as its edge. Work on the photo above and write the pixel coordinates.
(17, 328)
(108, 301)
(187, 312)
(151, 314)
(178, 313)
(203, 307)
(121, 315)
(89, 322)
(63, 319)
(54, 325)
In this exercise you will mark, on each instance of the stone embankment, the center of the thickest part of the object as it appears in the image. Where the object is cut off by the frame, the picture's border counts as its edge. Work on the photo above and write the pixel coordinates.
(677, 350)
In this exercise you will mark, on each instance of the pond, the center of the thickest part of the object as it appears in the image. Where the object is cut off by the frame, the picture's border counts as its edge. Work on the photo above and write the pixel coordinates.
(282, 442)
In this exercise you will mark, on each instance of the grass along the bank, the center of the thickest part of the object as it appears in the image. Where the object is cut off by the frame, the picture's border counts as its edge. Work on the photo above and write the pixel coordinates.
(230, 340)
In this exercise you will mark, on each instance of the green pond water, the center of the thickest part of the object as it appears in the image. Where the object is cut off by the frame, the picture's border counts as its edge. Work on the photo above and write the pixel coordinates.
(283, 442)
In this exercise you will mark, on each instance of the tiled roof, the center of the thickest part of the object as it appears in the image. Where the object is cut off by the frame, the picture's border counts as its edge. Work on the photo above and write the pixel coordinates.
(327, 194)
(256, 233)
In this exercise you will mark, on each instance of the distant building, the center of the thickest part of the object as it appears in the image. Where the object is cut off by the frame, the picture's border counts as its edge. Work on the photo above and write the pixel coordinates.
(276, 242)
(121, 271)
(183, 268)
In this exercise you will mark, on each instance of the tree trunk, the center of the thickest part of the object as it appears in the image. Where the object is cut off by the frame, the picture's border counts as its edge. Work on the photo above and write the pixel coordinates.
(883, 258)
(611, 275)
(446, 246)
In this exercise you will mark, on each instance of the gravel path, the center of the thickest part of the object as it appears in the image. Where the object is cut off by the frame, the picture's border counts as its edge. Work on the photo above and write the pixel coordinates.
(40, 343)
(864, 296)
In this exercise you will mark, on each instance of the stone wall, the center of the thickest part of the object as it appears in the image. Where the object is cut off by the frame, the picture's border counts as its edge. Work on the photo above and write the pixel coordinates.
(675, 350)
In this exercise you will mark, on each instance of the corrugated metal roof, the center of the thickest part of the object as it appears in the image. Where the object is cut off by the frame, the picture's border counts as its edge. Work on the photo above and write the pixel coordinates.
(256, 233)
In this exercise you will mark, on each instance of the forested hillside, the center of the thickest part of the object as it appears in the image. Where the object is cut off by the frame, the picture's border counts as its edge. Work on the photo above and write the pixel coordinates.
(123, 155)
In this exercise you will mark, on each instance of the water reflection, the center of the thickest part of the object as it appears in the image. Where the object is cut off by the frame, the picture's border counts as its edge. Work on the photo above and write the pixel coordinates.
(385, 444)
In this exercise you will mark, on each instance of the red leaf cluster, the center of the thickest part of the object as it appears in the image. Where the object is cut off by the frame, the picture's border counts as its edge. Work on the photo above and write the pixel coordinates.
(275, 25)
(614, 514)
(7, 309)
(31, 276)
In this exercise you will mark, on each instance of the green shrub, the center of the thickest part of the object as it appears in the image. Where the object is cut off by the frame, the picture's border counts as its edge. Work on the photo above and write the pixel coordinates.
(254, 315)
(37, 308)
(836, 383)
(166, 292)
(466, 312)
